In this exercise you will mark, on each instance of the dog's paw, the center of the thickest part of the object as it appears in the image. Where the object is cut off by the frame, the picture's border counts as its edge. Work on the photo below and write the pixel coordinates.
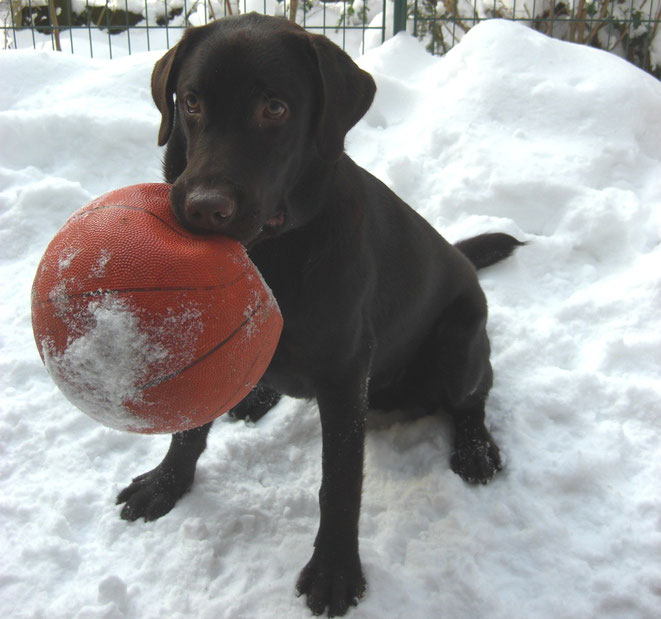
(255, 405)
(332, 585)
(476, 459)
(153, 494)
(246, 413)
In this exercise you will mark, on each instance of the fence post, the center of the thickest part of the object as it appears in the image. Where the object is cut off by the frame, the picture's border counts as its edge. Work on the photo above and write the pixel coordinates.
(399, 17)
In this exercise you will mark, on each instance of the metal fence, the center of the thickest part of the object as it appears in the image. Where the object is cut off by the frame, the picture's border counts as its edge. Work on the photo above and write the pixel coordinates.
(629, 28)
(109, 28)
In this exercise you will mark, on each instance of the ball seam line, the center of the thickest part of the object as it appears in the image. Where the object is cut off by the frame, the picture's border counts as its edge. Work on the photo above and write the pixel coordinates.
(162, 379)
(136, 208)
(103, 291)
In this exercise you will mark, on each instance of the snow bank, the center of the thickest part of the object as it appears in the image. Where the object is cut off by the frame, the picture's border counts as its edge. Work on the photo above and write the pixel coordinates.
(555, 143)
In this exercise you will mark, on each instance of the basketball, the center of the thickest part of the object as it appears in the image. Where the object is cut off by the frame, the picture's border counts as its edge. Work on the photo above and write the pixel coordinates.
(145, 326)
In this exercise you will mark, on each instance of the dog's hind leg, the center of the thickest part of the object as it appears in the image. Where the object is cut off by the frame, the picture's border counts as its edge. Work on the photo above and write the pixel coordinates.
(464, 378)
(452, 372)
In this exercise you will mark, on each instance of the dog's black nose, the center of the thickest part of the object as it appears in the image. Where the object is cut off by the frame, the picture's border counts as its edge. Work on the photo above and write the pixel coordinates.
(209, 210)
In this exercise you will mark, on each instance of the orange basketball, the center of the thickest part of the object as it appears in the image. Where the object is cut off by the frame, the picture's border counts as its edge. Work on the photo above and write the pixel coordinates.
(146, 326)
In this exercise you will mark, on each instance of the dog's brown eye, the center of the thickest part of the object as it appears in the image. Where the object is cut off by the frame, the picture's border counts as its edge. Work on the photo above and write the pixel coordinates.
(192, 104)
(274, 109)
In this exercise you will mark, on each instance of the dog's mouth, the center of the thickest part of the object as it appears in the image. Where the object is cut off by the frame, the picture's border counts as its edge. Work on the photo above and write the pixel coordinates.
(213, 211)
(277, 221)
(271, 228)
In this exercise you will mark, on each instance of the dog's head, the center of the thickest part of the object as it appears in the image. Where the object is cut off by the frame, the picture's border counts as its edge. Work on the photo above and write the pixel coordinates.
(253, 109)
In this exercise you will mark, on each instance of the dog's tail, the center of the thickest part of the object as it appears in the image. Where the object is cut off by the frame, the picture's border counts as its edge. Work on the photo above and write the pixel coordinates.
(487, 249)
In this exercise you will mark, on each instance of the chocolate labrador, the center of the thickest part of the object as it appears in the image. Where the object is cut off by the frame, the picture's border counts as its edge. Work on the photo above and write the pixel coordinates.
(379, 310)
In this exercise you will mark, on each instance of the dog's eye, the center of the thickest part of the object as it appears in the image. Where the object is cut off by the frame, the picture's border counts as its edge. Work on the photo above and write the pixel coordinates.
(274, 109)
(192, 104)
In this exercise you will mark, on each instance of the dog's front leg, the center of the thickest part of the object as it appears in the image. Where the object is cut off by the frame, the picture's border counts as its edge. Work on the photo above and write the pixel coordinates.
(333, 578)
(153, 494)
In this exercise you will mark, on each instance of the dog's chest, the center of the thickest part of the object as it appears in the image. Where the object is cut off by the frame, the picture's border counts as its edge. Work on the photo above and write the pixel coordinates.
(315, 301)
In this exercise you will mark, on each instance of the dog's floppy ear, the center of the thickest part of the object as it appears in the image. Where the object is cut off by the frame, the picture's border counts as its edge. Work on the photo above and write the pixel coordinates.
(163, 84)
(346, 94)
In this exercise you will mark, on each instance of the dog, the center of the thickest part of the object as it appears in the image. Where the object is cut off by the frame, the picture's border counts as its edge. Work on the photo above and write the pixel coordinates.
(379, 310)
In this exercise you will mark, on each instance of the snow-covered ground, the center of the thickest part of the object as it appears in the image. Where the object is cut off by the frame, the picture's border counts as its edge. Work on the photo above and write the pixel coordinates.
(555, 143)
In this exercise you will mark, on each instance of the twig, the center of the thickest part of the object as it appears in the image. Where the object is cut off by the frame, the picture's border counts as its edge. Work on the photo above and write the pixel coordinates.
(578, 23)
(293, 7)
(451, 7)
(599, 25)
(52, 13)
(657, 19)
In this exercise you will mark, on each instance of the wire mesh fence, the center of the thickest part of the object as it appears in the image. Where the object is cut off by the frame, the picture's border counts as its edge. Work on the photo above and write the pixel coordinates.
(629, 28)
(109, 28)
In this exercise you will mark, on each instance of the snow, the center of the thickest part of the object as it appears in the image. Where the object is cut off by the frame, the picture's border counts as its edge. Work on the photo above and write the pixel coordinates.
(557, 144)
(101, 371)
